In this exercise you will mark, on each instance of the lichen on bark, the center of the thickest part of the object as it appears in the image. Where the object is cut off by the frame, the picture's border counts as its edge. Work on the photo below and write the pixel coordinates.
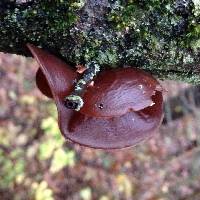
(160, 36)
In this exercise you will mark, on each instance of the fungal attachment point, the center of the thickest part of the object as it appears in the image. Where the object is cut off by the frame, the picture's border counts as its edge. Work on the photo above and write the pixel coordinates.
(117, 112)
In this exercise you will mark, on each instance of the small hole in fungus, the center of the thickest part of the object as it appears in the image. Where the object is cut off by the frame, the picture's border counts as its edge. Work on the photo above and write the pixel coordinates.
(100, 106)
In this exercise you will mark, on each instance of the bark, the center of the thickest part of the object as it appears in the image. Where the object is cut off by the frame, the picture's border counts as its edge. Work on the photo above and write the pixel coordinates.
(162, 37)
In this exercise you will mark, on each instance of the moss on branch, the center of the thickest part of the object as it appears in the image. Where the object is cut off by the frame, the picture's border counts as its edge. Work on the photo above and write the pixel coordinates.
(162, 37)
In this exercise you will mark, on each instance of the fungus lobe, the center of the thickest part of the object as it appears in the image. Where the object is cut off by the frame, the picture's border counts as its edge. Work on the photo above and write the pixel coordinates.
(121, 108)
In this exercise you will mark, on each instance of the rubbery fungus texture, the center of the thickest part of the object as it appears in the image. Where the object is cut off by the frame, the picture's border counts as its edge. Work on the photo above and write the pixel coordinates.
(42, 84)
(121, 108)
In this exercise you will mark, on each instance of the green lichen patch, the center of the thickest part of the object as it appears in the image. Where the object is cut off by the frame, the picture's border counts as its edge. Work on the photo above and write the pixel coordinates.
(150, 34)
(44, 23)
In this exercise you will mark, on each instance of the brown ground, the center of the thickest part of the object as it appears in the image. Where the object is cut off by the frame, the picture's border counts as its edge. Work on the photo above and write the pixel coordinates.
(166, 167)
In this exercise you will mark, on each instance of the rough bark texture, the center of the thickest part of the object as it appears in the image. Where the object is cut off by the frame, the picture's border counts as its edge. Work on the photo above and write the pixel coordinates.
(160, 36)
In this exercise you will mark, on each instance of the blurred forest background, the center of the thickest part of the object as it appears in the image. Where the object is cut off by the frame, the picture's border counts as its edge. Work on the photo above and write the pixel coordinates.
(36, 162)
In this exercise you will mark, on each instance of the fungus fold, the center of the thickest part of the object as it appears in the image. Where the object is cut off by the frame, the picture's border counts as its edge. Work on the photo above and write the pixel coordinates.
(122, 107)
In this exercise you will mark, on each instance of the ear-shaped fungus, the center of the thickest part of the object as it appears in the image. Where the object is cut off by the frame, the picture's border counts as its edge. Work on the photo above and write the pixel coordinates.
(122, 108)
(42, 84)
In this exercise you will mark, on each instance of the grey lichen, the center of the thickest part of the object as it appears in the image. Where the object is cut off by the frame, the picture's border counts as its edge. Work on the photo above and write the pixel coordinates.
(196, 7)
(73, 102)
(92, 69)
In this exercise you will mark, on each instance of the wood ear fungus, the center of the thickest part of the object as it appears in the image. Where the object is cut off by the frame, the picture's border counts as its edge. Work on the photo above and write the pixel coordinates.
(42, 84)
(121, 108)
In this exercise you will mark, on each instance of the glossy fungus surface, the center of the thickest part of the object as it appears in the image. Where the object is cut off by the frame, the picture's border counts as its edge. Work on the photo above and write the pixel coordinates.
(116, 92)
(122, 108)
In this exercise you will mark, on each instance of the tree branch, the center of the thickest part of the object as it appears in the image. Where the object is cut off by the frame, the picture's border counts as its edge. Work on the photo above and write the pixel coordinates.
(162, 37)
